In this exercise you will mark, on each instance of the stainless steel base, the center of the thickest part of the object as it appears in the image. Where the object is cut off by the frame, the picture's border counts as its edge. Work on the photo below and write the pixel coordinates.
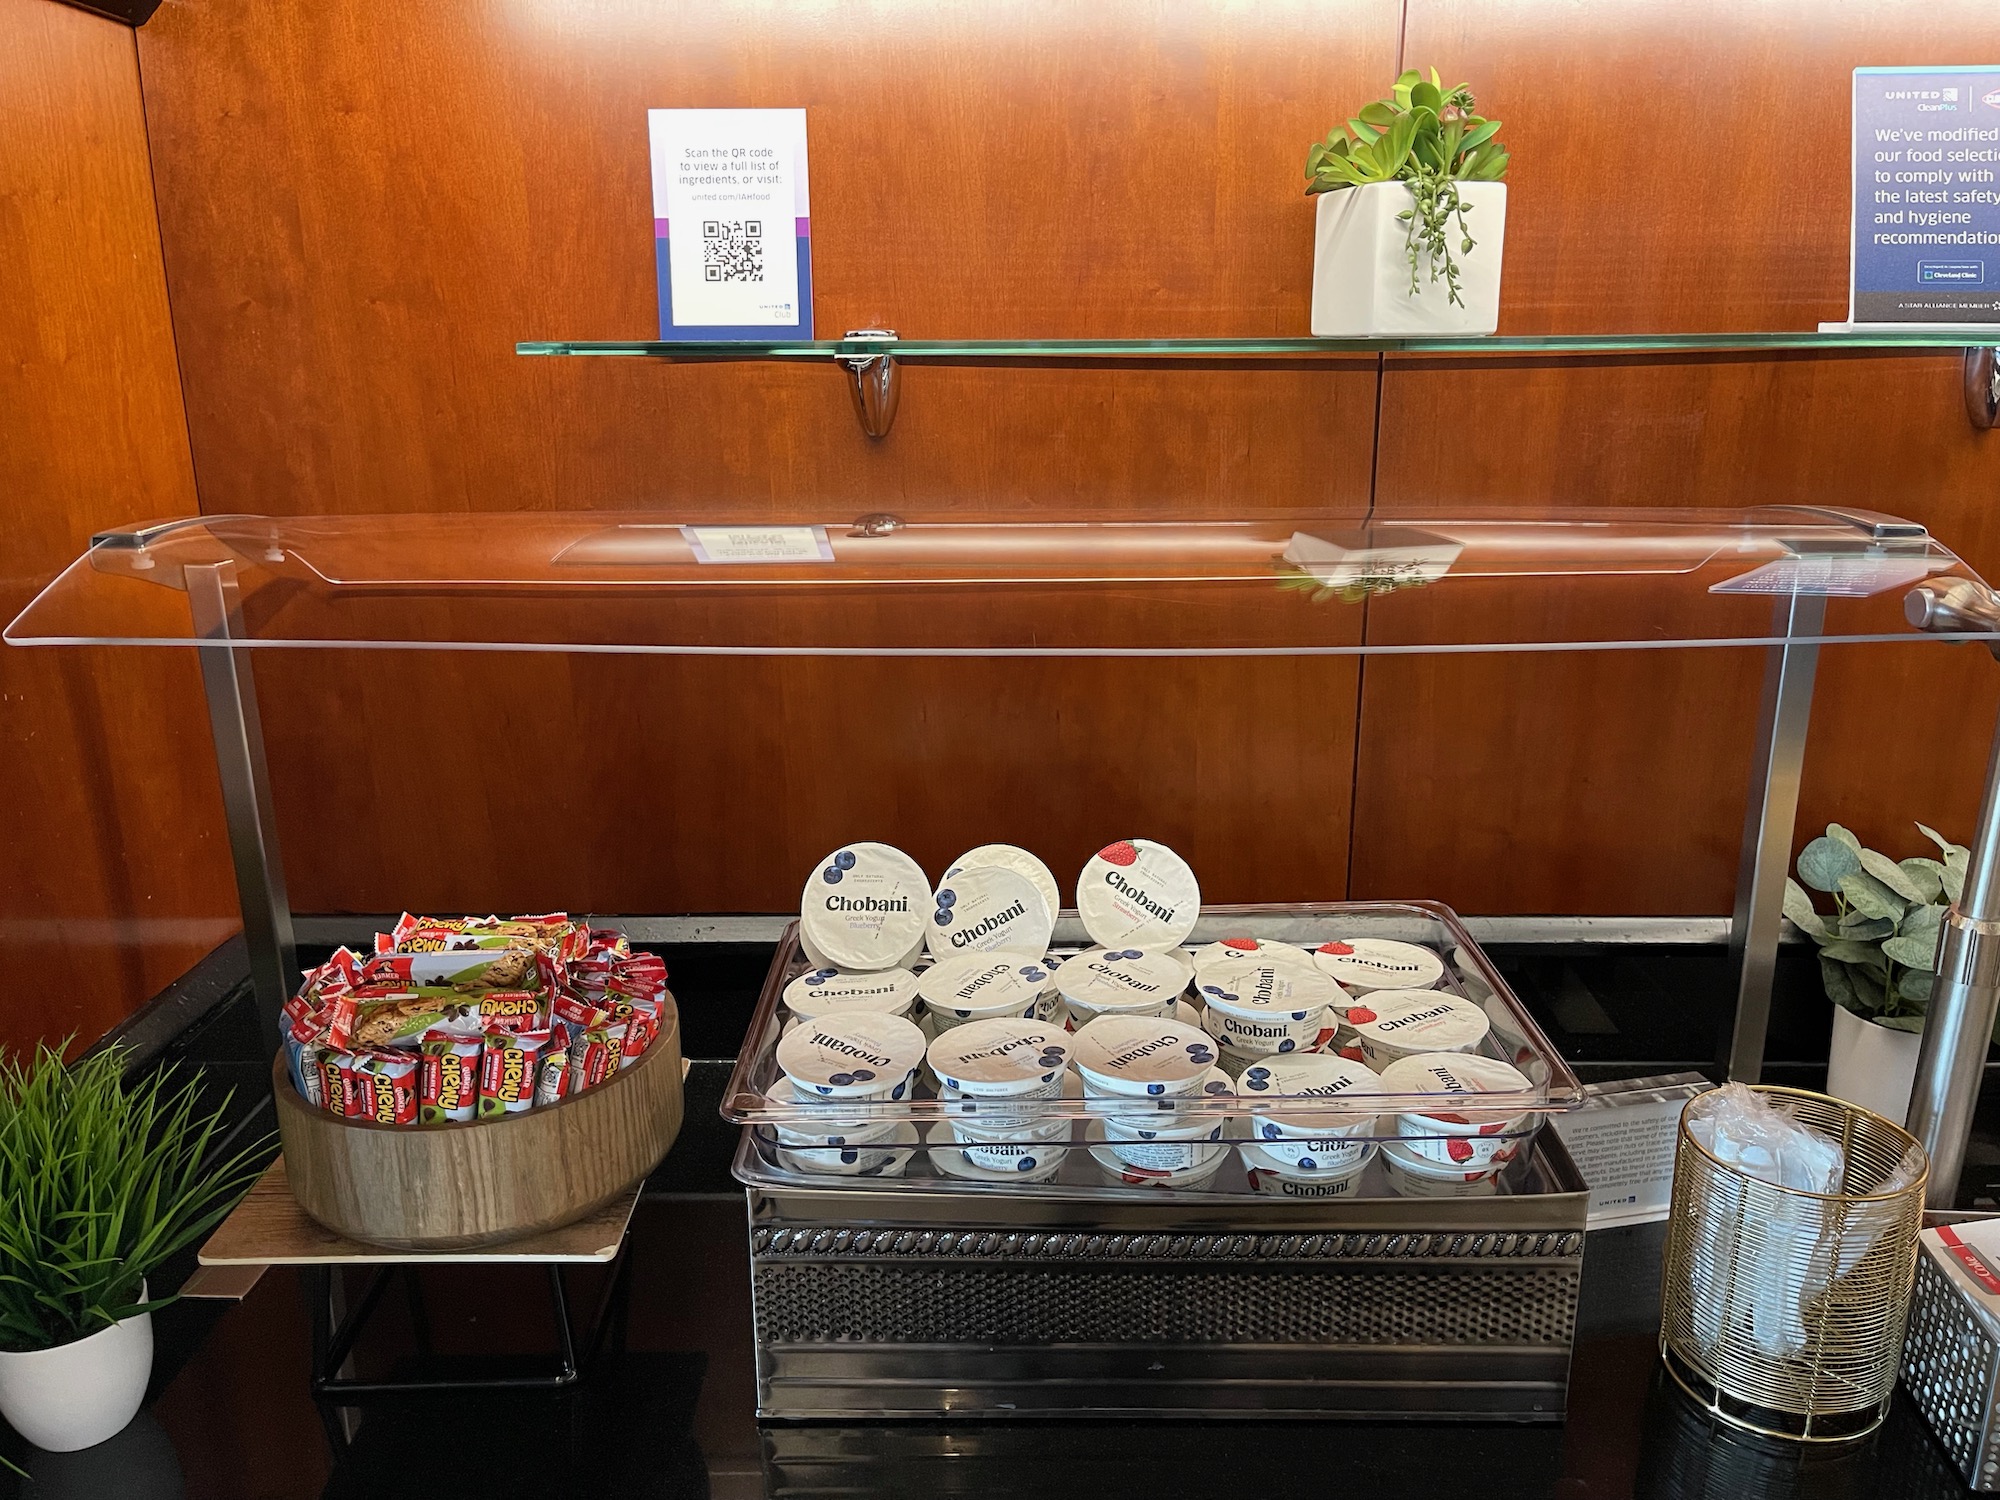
(873, 1302)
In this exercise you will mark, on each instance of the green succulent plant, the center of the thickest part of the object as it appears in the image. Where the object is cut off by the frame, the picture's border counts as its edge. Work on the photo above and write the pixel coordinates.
(1430, 137)
(1878, 951)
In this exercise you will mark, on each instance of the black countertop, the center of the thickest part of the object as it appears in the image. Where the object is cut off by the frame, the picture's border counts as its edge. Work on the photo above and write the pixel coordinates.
(672, 1414)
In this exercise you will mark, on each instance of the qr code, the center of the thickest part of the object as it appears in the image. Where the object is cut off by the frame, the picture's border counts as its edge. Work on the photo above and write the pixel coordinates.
(732, 249)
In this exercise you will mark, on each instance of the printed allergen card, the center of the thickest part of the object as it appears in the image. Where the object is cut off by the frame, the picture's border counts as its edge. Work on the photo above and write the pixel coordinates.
(731, 223)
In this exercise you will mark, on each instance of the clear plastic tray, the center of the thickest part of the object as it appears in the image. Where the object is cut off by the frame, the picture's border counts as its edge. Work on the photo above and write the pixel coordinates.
(1513, 1037)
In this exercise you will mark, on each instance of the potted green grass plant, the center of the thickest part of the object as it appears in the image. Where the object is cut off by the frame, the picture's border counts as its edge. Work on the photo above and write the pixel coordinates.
(1878, 952)
(1411, 216)
(101, 1180)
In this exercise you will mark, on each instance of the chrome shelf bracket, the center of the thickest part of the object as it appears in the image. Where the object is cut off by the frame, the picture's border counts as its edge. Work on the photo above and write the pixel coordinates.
(874, 383)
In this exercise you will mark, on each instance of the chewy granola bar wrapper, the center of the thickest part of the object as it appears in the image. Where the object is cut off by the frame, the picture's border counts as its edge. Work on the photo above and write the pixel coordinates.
(594, 1055)
(565, 940)
(518, 968)
(552, 1082)
(448, 1077)
(336, 1081)
(386, 1083)
(641, 1026)
(380, 1016)
(507, 1071)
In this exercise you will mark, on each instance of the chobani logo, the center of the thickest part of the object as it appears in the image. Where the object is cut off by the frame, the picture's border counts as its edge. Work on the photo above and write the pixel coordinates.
(994, 923)
(838, 902)
(1396, 1022)
(1140, 899)
(1451, 1080)
(979, 981)
(1141, 1051)
(848, 1049)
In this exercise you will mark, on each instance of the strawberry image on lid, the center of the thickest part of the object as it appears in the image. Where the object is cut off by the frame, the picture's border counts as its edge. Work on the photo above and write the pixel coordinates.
(1361, 964)
(1138, 893)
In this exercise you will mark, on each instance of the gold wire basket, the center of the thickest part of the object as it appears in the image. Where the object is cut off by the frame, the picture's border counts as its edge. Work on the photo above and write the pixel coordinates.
(1783, 1310)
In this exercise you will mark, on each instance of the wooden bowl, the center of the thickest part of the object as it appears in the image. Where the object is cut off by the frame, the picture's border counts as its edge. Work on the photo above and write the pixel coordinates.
(472, 1183)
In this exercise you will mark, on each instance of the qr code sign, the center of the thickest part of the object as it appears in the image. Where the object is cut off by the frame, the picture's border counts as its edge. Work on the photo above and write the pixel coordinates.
(732, 249)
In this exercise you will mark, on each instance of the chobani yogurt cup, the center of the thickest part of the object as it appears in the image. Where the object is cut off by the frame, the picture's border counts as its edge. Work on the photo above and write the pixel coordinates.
(1282, 1179)
(1402, 1023)
(819, 992)
(852, 1055)
(827, 1127)
(1259, 1007)
(820, 961)
(1263, 950)
(978, 986)
(888, 1158)
(1020, 861)
(1361, 965)
(1171, 1143)
(988, 909)
(1030, 1166)
(1453, 1135)
(1137, 894)
(1415, 1177)
(864, 908)
(1120, 981)
(1105, 1154)
(1000, 1058)
(1141, 1056)
(1301, 1141)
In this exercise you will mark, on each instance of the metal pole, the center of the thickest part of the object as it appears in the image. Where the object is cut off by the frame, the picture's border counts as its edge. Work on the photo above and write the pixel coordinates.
(246, 792)
(1960, 1024)
(1768, 821)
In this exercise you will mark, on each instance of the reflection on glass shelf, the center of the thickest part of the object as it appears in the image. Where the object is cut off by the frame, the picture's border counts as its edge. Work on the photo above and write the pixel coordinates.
(1942, 338)
(1273, 582)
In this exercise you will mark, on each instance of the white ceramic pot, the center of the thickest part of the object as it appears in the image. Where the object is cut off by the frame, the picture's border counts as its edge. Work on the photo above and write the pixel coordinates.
(1361, 265)
(1872, 1066)
(77, 1395)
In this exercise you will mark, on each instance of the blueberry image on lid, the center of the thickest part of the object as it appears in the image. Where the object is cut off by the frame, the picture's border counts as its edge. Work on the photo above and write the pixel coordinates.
(947, 897)
(1286, 1045)
(845, 859)
(1146, 1135)
(1258, 1073)
(1112, 958)
(836, 1140)
(1257, 1079)
(850, 1157)
(897, 1091)
(1298, 1015)
(1033, 975)
(1268, 1131)
(1215, 1088)
(1025, 1164)
(840, 1080)
(1156, 1088)
(1131, 953)
(831, 875)
(862, 1075)
(1307, 1162)
(943, 917)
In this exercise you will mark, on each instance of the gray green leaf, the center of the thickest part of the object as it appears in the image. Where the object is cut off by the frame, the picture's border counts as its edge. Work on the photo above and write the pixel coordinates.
(1917, 951)
(1868, 989)
(1836, 832)
(1892, 875)
(1870, 897)
(1838, 982)
(1954, 881)
(1824, 861)
(1921, 921)
(1899, 1023)
(1845, 951)
(1914, 985)
(1927, 875)
(1799, 910)
(1865, 929)
(1945, 845)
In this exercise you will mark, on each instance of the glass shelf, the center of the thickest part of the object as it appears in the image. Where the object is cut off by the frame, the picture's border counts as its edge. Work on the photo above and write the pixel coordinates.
(1856, 340)
(1267, 582)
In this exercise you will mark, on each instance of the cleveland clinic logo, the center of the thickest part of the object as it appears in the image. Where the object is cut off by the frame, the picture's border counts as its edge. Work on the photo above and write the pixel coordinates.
(1992, 100)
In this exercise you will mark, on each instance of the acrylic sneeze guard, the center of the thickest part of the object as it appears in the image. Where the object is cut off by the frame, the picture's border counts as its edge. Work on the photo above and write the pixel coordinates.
(1271, 581)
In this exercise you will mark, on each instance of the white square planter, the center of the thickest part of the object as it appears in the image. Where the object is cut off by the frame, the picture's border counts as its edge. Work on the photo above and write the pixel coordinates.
(1361, 265)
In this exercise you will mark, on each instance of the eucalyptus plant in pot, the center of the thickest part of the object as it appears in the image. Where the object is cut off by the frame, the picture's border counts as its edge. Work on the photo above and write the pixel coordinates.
(101, 1181)
(1411, 216)
(1877, 956)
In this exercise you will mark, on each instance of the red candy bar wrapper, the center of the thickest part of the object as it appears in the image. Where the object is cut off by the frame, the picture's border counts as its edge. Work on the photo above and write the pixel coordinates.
(448, 1077)
(507, 1071)
(641, 1027)
(580, 1012)
(594, 1055)
(387, 1085)
(552, 1083)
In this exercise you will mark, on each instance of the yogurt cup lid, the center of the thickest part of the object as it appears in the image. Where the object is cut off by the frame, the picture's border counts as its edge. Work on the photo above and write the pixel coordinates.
(999, 1056)
(992, 982)
(1020, 861)
(1378, 964)
(864, 907)
(988, 909)
(819, 991)
(850, 1053)
(1258, 987)
(1144, 1054)
(1137, 894)
(1114, 979)
(1456, 1073)
(1311, 1075)
(1418, 1020)
(1239, 949)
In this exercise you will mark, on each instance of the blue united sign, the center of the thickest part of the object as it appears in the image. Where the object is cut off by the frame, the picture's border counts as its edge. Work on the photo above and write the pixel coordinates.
(1926, 196)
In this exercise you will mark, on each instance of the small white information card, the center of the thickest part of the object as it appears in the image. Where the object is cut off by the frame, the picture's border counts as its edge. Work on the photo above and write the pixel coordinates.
(732, 229)
(755, 544)
(1623, 1138)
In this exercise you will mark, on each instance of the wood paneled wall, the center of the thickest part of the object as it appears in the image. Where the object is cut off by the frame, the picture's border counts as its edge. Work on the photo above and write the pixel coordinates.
(113, 871)
(363, 208)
